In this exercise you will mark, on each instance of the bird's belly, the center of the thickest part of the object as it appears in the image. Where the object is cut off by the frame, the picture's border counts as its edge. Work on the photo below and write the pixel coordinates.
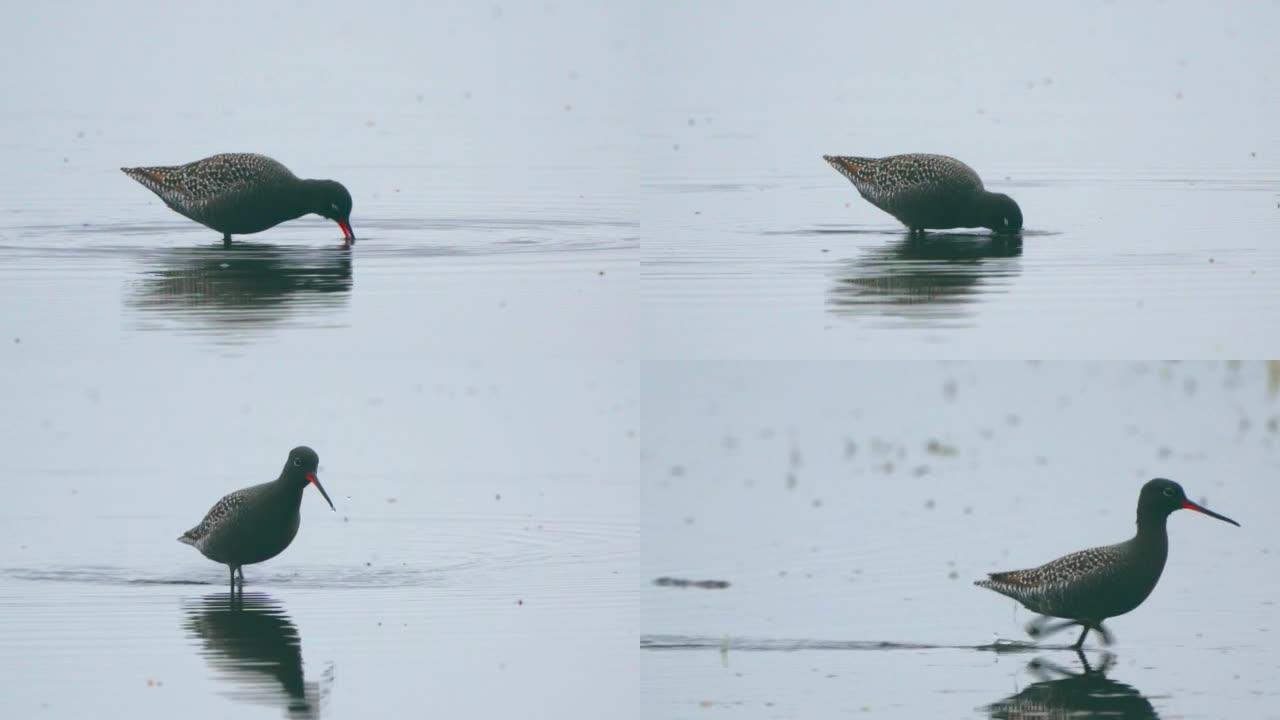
(1097, 602)
(933, 210)
(239, 214)
(248, 540)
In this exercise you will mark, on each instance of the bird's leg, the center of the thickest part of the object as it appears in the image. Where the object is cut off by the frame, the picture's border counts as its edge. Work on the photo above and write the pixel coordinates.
(226, 240)
(233, 579)
(240, 569)
(1107, 638)
(1084, 630)
(1041, 627)
(1084, 661)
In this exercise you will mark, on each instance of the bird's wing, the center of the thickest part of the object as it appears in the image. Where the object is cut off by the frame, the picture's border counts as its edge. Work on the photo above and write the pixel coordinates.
(216, 515)
(1054, 587)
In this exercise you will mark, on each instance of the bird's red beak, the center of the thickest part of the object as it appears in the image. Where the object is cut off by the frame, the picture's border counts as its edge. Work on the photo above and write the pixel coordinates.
(348, 237)
(311, 478)
(1188, 505)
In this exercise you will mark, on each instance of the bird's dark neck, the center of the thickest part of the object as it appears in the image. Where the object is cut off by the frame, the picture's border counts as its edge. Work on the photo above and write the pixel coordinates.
(1152, 527)
(289, 487)
(308, 195)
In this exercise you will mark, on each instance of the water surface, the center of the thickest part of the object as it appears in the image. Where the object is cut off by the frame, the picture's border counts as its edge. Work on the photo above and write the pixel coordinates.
(849, 507)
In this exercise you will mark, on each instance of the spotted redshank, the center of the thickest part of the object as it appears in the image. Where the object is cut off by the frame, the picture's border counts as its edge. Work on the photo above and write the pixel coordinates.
(257, 523)
(1090, 586)
(244, 193)
(929, 192)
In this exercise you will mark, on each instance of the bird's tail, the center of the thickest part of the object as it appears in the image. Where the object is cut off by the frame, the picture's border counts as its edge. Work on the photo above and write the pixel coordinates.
(187, 539)
(853, 168)
(153, 178)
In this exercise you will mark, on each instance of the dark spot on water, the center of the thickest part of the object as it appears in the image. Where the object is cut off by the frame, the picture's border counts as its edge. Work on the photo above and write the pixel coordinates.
(682, 583)
(929, 504)
(937, 447)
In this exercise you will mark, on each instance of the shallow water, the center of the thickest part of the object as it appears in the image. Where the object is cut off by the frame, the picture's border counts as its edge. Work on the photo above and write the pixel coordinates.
(1147, 182)
(849, 509)
(462, 372)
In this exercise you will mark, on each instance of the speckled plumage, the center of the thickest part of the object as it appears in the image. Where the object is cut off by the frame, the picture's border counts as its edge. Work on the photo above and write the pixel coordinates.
(929, 191)
(257, 523)
(243, 193)
(1085, 585)
(1090, 586)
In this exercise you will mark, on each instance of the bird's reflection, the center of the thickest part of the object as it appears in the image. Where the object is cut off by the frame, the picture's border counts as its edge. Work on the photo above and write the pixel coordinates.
(241, 287)
(251, 641)
(936, 277)
(1063, 693)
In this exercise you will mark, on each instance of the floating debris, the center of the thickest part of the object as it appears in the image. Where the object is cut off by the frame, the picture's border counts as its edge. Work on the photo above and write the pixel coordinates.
(682, 583)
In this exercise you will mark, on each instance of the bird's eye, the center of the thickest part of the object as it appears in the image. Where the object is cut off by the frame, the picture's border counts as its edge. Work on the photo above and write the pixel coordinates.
(333, 205)
(1168, 492)
(297, 462)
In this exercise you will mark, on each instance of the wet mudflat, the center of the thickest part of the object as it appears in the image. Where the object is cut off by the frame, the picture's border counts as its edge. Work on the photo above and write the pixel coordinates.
(849, 507)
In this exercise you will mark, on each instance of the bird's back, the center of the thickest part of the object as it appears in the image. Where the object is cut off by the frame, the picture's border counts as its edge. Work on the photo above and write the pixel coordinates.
(205, 189)
(920, 190)
(882, 179)
(249, 525)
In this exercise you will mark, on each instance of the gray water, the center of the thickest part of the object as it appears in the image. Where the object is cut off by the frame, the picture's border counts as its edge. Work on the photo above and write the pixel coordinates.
(1138, 139)
(463, 373)
(610, 318)
(850, 512)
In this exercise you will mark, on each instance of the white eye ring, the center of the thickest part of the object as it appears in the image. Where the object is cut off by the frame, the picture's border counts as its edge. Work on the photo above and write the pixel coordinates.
(297, 462)
(333, 205)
